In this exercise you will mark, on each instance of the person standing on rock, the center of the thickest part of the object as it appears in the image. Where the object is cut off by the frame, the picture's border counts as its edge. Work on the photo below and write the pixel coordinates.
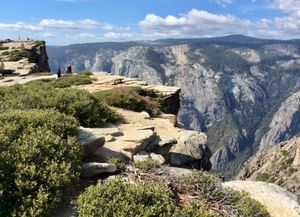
(69, 69)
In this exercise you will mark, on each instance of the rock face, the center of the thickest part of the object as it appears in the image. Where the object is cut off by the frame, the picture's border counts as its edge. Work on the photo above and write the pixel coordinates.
(232, 87)
(91, 139)
(93, 169)
(277, 201)
(191, 150)
(278, 164)
(284, 124)
(24, 57)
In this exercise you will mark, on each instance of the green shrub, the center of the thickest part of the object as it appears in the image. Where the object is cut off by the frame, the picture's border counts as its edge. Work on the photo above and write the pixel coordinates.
(118, 198)
(85, 72)
(4, 52)
(194, 209)
(39, 157)
(248, 207)
(82, 105)
(146, 165)
(72, 80)
(116, 161)
(201, 181)
(263, 177)
(128, 98)
(64, 81)
(17, 55)
(3, 48)
(209, 188)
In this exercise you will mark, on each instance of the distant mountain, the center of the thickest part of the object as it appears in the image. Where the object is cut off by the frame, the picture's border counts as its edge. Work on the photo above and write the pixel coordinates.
(242, 91)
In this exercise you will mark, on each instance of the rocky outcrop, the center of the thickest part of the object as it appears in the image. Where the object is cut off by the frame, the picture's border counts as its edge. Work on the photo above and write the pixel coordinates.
(278, 164)
(278, 201)
(24, 57)
(90, 139)
(191, 150)
(284, 124)
(231, 88)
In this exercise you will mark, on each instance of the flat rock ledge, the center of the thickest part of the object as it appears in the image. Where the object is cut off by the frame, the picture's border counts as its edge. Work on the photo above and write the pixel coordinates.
(278, 201)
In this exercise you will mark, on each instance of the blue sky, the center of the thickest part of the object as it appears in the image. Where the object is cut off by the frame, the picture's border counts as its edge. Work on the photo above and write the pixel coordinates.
(62, 22)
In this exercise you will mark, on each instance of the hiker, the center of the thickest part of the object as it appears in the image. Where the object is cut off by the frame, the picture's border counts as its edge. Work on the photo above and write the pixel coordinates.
(58, 73)
(69, 69)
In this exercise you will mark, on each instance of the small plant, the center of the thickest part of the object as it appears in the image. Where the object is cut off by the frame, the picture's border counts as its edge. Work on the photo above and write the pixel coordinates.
(248, 207)
(263, 177)
(128, 98)
(17, 55)
(116, 197)
(194, 209)
(5, 53)
(3, 48)
(116, 161)
(146, 165)
(85, 72)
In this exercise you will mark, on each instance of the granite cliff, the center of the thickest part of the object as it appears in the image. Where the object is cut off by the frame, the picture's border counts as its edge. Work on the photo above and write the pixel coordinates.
(23, 57)
(234, 88)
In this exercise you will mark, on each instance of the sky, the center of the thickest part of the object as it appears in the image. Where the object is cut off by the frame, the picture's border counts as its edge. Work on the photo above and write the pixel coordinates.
(63, 22)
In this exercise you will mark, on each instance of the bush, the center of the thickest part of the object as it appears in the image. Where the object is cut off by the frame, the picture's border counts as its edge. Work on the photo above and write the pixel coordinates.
(85, 72)
(209, 188)
(146, 165)
(82, 105)
(39, 157)
(194, 209)
(201, 181)
(71, 80)
(64, 81)
(248, 207)
(116, 161)
(116, 198)
(3, 48)
(17, 55)
(128, 98)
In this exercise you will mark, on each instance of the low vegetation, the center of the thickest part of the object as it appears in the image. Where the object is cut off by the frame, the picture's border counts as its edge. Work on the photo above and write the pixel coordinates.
(65, 81)
(116, 161)
(146, 165)
(116, 197)
(16, 55)
(210, 189)
(188, 198)
(130, 99)
(39, 156)
(87, 109)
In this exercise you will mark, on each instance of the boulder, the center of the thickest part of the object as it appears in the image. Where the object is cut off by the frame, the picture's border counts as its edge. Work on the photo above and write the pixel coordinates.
(110, 129)
(92, 169)
(161, 141)
(91, 139)
(191, 151)
(172, 118)
(145, 115)
(113, 149)
(157, 157)
(142, 138)
(141, 156)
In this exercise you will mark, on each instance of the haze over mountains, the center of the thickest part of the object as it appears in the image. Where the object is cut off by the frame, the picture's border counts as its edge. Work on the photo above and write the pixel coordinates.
(244, 92)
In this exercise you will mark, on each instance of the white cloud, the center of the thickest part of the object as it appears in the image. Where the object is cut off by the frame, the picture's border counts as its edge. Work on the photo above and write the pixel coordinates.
(223, 3)
(122, 36)
(19, 26)
(69, 24)
(198, 23)
(291, 6)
